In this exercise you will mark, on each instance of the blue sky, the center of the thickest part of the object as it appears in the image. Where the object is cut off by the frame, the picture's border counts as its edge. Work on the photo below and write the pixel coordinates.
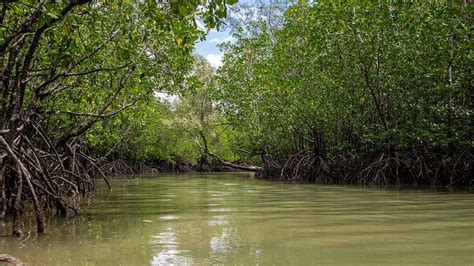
(209, 49)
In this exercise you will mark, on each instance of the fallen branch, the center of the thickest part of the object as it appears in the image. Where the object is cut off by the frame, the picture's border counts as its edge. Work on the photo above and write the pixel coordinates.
(251, 168)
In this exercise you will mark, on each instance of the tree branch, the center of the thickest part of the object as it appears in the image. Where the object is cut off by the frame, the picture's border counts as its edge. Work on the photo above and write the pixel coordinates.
(224, 162)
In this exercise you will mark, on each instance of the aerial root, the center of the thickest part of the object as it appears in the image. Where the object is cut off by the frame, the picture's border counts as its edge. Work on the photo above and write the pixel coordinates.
(45, 180)
(384, 168)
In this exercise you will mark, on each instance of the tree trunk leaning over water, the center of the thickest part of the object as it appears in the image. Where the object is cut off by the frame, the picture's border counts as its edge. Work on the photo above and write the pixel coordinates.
(205, 148)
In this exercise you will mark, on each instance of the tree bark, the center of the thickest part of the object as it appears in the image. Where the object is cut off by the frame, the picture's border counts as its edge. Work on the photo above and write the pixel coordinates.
(224, 162)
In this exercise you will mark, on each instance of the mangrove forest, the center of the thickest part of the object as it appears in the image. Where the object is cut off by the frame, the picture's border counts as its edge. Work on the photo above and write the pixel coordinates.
(373, 94)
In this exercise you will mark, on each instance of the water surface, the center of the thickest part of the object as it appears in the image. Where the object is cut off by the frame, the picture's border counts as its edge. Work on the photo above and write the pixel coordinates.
(236, 219)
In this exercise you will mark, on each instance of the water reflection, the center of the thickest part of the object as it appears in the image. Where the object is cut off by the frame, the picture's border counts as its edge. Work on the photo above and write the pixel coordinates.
(219, 220)
(169, 217)
(170, 253)
(234, 219)
(222, 244)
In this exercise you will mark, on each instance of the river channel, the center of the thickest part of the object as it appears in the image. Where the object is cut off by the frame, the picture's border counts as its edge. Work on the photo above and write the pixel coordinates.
(233, 218)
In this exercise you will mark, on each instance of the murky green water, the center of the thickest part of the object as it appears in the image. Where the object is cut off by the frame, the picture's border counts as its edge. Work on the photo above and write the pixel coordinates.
(235, 219)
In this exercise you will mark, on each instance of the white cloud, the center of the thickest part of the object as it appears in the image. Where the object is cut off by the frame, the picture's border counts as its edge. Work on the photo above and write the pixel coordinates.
(200, 25)
(222, 40)
(166, 97)
(215, 60)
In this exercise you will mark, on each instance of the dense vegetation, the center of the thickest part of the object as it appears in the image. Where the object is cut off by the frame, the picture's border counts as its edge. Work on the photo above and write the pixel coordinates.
(371, 92)
(357, 92)
(70, 74)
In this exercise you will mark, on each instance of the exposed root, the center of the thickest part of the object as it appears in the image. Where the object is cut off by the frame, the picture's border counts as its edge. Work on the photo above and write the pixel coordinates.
(123, 168)
(37, 175)
(386, 168)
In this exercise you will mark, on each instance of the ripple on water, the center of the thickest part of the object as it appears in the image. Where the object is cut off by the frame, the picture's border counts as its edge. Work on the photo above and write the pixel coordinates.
(235, 219)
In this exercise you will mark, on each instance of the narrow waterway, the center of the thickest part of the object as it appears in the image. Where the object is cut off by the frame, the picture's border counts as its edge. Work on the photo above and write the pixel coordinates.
(236, 219)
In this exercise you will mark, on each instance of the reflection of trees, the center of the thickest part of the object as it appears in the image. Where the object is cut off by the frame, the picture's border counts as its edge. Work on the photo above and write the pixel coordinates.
(207, 227)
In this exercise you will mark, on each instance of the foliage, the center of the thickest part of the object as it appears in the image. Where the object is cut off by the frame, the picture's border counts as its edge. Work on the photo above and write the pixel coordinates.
(358, 76)
(340, 79)
(319, 89)
(65, 66)
(156, 132)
